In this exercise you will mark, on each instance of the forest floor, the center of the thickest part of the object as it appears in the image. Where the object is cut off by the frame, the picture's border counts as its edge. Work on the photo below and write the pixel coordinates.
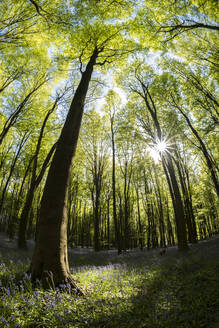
(139, 289)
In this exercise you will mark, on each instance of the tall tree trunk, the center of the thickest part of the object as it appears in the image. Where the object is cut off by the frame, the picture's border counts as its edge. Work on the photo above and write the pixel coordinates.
(108, 222)
(50, 254)
(141, 239)
(168, 168)
(11, 171)
(126, 211)
(35, 181)
(189, 214)
(177, 204)
(203, 148)
(29, 200)
(116, 225)
(170, 234)
(160, 209)
(148, 211)
(97, 220)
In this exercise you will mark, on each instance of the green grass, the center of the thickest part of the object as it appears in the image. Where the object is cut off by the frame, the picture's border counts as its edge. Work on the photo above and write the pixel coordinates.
(135, 290)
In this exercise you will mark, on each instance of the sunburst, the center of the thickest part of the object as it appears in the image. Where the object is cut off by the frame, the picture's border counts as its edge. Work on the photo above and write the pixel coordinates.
(159, 148)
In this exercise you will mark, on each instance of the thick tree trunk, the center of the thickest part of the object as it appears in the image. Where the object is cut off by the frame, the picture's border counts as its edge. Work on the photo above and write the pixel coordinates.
(50, 254)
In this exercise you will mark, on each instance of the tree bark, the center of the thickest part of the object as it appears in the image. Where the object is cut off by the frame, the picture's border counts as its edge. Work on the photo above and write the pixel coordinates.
(35, 181)
(140, 228)
(116, 225)
(209, 162)
(177, 204)
(168, 168)
(189, 214)
(50, 254)
(14, 161)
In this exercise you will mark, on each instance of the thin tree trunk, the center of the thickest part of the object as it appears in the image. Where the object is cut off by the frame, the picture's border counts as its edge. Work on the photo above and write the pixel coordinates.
(177, 205)
(203, 148)
(14, 116)
(16, 156)
(168, 166)
(116, 225)
(141, 240)
(29, 200)
(35, 181)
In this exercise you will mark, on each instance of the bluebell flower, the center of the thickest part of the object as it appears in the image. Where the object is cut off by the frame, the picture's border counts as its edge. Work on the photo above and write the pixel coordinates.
(36, 293)
(3, 320)
(8, 291)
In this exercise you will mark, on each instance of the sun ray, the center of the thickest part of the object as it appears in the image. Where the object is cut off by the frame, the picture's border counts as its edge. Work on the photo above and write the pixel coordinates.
(159, 148)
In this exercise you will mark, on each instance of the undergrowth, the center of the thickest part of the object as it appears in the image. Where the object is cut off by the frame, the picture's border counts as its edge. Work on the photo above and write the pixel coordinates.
(180, 292)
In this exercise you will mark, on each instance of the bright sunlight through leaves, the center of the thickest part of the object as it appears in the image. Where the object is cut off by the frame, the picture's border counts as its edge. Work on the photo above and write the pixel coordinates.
(157, 150)
(161, 146)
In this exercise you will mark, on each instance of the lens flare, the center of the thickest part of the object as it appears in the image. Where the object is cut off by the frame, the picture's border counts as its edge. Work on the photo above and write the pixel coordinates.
(161, 146)
(156, 150)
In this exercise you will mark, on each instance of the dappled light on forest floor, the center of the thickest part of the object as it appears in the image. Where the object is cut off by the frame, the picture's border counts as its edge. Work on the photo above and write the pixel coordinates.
(136, 289)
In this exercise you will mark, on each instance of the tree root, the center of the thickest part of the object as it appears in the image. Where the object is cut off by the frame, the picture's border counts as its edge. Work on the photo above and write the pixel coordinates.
(74, 287)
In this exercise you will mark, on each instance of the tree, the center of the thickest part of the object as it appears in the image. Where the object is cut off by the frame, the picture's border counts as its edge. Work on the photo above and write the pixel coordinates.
(209, 161)
(112, 103)
(50, 252)
(51, 243)
(14, 161)
(155, 132)
(95, 144)
(14, 116)
(100, 43)
(36, 179)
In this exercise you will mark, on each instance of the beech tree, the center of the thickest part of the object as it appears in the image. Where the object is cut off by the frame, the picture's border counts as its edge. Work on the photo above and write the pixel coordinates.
(155, 132)
(95, 145)
(36, 178)
(54, 200)
(112, 102)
